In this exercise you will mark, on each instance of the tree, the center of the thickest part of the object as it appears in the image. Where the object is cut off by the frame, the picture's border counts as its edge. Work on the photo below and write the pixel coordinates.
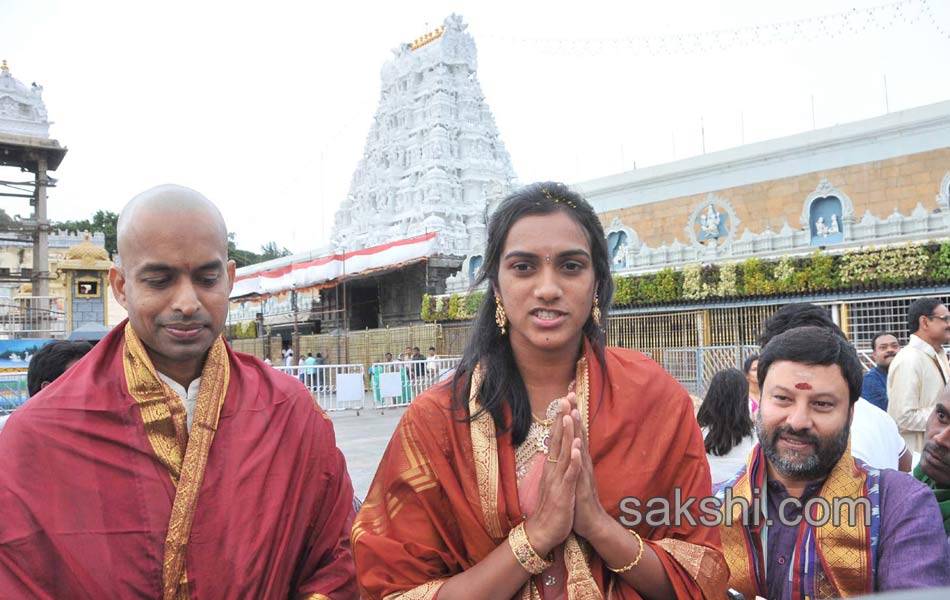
(241, 258)
(270, 251)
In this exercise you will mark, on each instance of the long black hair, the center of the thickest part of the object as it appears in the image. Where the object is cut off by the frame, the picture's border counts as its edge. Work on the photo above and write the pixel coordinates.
(725, 411)
(487, 346)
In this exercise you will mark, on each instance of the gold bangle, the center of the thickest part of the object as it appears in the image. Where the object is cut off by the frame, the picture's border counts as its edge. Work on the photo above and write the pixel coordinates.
(636, 561)
(527, 557)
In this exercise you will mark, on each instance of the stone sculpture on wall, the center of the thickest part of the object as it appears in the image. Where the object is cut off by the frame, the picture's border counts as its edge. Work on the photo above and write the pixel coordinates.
(713, 224)
(827, 219)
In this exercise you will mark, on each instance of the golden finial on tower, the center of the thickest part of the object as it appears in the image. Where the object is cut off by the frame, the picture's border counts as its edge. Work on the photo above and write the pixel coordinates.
(427, 38)
(4, 67)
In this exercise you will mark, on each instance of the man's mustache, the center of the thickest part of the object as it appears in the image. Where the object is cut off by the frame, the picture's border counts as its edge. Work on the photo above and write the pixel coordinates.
(939, 453)
(801, 435)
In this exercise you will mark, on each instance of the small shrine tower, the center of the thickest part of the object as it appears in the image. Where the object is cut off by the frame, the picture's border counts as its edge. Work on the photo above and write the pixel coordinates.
(85, 275)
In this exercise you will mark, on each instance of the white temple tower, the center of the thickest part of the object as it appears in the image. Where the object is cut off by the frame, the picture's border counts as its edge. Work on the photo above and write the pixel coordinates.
(433, 159)
(22, 111)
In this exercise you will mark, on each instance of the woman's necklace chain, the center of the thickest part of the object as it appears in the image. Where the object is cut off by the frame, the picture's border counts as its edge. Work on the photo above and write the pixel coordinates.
(539, 436)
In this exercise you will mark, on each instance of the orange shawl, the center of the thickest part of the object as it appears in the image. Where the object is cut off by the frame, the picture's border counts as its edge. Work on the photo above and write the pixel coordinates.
(445, 494)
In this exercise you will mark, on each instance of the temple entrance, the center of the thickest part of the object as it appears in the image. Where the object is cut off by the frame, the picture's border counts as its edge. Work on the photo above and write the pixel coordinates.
(363, 301)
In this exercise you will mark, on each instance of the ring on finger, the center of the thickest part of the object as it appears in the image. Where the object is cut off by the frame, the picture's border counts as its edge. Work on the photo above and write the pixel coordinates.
(551, 460)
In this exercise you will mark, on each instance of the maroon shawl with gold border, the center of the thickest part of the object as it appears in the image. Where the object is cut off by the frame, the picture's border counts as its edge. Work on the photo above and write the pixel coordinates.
(106, 494)
(445, 494)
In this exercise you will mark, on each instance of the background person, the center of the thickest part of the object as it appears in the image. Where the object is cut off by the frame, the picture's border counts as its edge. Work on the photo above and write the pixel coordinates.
(432, 365)
(934, 466)
(728, 431)
(49, 362)
(749, 367)
(919, 372)
(884, 347)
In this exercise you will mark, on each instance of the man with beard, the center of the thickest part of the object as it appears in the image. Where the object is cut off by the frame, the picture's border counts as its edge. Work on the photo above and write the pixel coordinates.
(808, 520)
(920, 370)
(884, 347)
(934, 466)
(164, 464)
(874, 435)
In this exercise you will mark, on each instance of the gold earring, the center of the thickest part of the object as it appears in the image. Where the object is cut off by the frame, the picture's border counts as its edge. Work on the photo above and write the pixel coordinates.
(501, 319)
(595, 311)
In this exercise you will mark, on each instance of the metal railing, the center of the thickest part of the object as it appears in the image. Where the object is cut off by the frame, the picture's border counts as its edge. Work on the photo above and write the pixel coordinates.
(334, 387)
(396, 383)
(33, 317)
(695, 367)
(13, 391)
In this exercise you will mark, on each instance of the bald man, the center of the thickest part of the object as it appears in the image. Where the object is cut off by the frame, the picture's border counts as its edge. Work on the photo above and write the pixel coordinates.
(163, 464)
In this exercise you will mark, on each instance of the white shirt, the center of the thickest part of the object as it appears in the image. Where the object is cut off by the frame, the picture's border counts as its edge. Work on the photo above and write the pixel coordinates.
(189, 398)
(874, 436)
(722, 468)
(915, 379)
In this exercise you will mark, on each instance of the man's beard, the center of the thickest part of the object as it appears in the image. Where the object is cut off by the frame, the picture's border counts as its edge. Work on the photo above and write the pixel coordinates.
(828, 451)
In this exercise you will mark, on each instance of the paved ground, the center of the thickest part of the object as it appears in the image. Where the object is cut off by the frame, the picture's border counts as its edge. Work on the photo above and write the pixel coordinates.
(363, 439)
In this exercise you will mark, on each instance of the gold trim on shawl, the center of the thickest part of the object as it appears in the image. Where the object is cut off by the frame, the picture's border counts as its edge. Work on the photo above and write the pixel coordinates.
(162, 410)
(582, 393)
(485, 455)
(707, 567)
(734, 544)
(844, 548)
(580, 581)
(317, 597)
(426, 591)
(145, 386)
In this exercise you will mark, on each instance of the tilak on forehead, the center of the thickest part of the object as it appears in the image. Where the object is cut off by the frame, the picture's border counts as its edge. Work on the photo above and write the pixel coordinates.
(804, 385)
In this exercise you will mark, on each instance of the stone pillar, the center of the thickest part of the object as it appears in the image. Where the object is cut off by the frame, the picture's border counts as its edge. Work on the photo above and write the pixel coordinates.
(41, 236)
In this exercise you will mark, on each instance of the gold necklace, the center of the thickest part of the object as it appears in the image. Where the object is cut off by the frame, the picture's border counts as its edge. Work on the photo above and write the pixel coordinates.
(551, 411)
(538, 438)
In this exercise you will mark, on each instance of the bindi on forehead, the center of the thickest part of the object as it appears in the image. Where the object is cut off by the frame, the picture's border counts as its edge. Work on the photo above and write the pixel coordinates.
(801, 385)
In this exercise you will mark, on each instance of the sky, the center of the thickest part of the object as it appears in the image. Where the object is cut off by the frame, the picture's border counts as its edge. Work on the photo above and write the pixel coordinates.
(265, 107)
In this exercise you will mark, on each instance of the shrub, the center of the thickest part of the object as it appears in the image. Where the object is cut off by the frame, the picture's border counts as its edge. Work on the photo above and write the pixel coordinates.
(454, 308)
(940, 263)
(728, 285)
(471, 303)
(756, 279)
(426, 313)
(818, 274)
(693, 282)
(667, 286)
(624, 290)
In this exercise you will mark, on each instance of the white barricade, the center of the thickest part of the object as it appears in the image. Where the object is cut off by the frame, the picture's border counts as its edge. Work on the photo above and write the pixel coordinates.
(334, 387)
(397, 383)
